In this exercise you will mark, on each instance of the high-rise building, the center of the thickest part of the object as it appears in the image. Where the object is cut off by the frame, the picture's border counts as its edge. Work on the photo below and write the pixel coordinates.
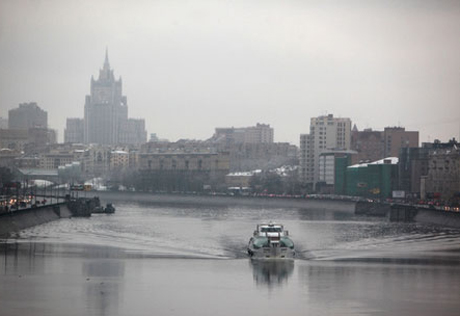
(106, 112)
(74, 131)
(326, 133)
(27, 115)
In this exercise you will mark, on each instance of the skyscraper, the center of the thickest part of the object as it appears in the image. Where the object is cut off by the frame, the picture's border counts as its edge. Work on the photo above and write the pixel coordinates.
(105, 108)
(106, 112)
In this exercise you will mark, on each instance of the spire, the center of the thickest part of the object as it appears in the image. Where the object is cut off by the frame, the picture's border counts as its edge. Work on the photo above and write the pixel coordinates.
(106, 73)
(106, 61)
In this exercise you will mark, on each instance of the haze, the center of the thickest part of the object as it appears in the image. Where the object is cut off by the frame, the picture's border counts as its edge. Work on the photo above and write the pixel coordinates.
(190, 66)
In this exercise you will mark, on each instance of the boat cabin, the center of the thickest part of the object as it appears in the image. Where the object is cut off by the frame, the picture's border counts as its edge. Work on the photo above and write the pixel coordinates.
(270, 230)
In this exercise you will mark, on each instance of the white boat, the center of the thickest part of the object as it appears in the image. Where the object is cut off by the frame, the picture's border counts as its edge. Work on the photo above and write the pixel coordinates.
(271, 241)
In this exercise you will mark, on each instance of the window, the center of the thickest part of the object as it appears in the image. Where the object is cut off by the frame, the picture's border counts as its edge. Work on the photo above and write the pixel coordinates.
(270, 229)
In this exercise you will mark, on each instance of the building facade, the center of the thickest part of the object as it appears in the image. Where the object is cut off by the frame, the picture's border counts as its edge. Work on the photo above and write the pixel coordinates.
(182, 170)
(132, 131)
(368, 144)
(443, 179)
(376, 180)
(259, 134)
(74, 131)
(395, 138)
(53, 160)
(374, 145)
(246, 157)
(326, 133)
(15, 139)
(328, 168)
(119, 159)
(413, 166)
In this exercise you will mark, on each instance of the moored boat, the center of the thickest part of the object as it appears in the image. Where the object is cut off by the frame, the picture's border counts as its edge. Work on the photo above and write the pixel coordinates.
(271, 241)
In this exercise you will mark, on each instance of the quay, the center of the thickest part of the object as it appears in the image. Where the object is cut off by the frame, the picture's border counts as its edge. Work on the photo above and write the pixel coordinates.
(65, 207)
(15, 220)
(410, 213)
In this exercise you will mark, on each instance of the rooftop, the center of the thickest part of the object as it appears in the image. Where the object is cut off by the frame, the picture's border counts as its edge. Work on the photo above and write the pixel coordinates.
(384, 161)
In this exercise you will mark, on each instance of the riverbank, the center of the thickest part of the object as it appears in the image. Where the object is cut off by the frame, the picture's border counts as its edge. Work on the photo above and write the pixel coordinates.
(18, 220)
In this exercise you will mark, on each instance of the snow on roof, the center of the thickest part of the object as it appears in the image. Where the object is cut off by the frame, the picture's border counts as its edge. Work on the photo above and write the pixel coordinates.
(244, 173)
(282, 171)
(384, 161)
(38, 172)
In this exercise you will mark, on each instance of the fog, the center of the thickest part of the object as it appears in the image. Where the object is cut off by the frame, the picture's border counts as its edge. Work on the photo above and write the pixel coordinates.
(190, 66)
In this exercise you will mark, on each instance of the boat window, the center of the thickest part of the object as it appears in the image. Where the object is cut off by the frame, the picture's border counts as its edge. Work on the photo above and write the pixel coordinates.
(271, 230)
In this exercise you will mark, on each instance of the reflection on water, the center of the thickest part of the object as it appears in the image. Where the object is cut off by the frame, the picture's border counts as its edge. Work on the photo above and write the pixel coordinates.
(271, 272)
(103, 291)
(383, 289)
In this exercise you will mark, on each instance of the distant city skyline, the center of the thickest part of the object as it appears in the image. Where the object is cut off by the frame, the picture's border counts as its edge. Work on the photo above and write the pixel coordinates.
(189, 67)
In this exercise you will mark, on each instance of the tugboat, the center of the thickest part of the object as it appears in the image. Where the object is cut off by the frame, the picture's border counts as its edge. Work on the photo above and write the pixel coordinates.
(271, 241)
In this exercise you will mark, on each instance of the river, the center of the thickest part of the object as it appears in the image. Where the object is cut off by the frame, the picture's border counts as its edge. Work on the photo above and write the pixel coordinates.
(168, 259)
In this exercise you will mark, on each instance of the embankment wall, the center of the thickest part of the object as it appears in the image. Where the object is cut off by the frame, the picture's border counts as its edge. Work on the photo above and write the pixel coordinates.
(19, 220)
(409, 213)
(443, 218)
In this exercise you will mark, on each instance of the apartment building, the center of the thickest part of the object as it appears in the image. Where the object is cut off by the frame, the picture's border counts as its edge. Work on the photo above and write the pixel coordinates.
(326, 133)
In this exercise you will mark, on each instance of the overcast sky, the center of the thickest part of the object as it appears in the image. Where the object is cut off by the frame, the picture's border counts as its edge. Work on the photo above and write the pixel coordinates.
(190, 66)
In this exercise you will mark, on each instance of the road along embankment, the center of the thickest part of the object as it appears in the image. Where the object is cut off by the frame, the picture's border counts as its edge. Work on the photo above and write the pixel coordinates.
(18, 220)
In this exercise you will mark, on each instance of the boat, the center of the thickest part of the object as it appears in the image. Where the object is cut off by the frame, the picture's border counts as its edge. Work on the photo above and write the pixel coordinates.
(109, 209)
(271, 241)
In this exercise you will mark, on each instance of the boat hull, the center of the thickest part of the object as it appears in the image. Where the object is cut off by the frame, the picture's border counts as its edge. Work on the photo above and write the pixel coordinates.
(270, 252)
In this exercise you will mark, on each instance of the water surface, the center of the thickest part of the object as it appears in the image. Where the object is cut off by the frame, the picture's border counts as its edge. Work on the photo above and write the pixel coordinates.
(173, 260)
